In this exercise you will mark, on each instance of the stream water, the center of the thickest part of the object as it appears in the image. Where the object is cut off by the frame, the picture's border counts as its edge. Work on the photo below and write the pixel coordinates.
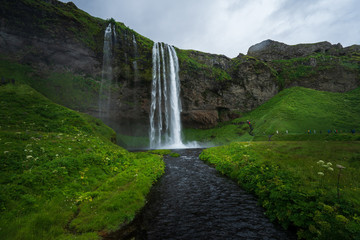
(193, 201)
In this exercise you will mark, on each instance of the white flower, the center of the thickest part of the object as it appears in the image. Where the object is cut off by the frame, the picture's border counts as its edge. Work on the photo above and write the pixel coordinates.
(330, 169)
(28, 156)
(69, 149)
(340, 166)
(329, 163)
(321, 173)
(5, 152)
(56, 155)
(320, 162)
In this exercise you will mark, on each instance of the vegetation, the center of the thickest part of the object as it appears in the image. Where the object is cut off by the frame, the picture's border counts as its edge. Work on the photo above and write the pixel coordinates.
(297, 110)
(190, 64)
(65, 88)
(309, 67)
(61, 177)
(298, 183)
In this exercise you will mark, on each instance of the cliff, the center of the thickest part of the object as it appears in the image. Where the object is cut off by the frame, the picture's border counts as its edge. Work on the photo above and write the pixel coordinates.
(58, 49)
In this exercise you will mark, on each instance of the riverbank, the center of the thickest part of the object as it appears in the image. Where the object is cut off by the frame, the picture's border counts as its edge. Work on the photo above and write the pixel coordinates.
(297, 183)
(193, 201)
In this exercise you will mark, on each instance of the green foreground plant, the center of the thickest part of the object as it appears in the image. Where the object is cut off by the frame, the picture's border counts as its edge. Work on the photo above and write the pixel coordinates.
(60, 175)
(284, 176)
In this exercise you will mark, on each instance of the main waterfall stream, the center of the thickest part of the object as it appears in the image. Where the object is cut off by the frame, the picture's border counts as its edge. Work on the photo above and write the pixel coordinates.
(165, 125)
(193, 201)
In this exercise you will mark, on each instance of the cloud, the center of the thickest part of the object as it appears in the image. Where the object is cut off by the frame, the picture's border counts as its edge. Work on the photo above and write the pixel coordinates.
(232, 26)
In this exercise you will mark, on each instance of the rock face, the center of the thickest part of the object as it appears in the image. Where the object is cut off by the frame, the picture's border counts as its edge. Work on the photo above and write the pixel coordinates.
(214, 88)
(217, 88)
(269, 50)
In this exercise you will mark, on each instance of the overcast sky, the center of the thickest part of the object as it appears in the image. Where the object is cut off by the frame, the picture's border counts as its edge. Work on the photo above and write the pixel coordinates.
(230, 27)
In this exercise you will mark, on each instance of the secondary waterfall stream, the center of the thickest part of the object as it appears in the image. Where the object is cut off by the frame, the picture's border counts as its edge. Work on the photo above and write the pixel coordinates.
(194, 201)
(107, 73)
(165, 126)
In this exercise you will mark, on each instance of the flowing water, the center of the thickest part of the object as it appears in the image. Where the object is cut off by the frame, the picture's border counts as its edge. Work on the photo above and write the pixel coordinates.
(135, 65)
(107, 74)
(193, 201)
(165, 125)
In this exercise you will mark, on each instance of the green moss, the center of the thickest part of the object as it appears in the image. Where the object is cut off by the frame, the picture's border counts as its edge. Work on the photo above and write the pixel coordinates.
(192, 66)
(296, 69)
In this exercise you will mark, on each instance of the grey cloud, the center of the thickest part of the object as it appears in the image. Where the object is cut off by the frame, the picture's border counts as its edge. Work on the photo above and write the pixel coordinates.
(232, 26)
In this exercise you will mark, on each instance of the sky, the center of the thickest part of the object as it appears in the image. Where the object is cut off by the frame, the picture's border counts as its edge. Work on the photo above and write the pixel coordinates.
(230, 27)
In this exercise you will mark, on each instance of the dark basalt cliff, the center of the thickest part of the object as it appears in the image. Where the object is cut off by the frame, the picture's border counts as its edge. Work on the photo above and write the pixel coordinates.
(54, 37)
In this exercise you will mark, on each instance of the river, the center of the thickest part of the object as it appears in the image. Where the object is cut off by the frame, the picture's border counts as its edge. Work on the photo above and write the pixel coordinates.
(193, 201)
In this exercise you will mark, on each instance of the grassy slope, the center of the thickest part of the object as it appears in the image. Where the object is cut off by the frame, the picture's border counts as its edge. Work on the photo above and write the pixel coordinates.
(70, 90)
(61, 175)
(297, 110)
(285, 176)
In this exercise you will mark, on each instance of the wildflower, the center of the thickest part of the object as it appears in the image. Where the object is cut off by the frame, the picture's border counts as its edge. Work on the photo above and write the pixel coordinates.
(320, 162)
(321, 173)
(18, 132)
(28, 156)
(5, 152)
(330, 169)
(340, 166)
(69, 149)
(56, 155)
(329, 163)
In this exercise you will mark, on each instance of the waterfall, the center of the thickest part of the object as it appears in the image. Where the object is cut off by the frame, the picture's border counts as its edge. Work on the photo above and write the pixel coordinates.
(165, 124)
(107, 74)
(135, 66)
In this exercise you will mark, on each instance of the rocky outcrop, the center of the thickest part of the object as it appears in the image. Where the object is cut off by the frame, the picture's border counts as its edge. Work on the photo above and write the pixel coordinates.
(216, 88)
(269, 50)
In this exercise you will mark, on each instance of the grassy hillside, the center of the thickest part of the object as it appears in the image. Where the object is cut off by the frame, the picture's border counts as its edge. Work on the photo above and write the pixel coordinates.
(297, 110)
(60, 174)
(298, 183)
(73, 91)
(300, 109)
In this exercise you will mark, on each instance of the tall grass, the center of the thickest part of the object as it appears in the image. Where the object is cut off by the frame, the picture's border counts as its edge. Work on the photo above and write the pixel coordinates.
(297, 183)
(60, 174)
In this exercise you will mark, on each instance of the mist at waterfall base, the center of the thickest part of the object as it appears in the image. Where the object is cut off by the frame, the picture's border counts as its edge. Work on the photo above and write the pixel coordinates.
(165, 109)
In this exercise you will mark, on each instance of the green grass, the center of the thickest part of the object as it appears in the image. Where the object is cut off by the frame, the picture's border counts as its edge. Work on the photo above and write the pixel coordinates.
(219, 135)
(61, 176)
(297, 69)
(300, 109)
(191, 65)
(285, 177)
(297, 110)
(65, 88)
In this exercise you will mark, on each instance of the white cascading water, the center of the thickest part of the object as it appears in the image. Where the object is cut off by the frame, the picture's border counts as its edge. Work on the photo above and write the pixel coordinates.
(135, 66)
(165, 124)
(107, 74)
